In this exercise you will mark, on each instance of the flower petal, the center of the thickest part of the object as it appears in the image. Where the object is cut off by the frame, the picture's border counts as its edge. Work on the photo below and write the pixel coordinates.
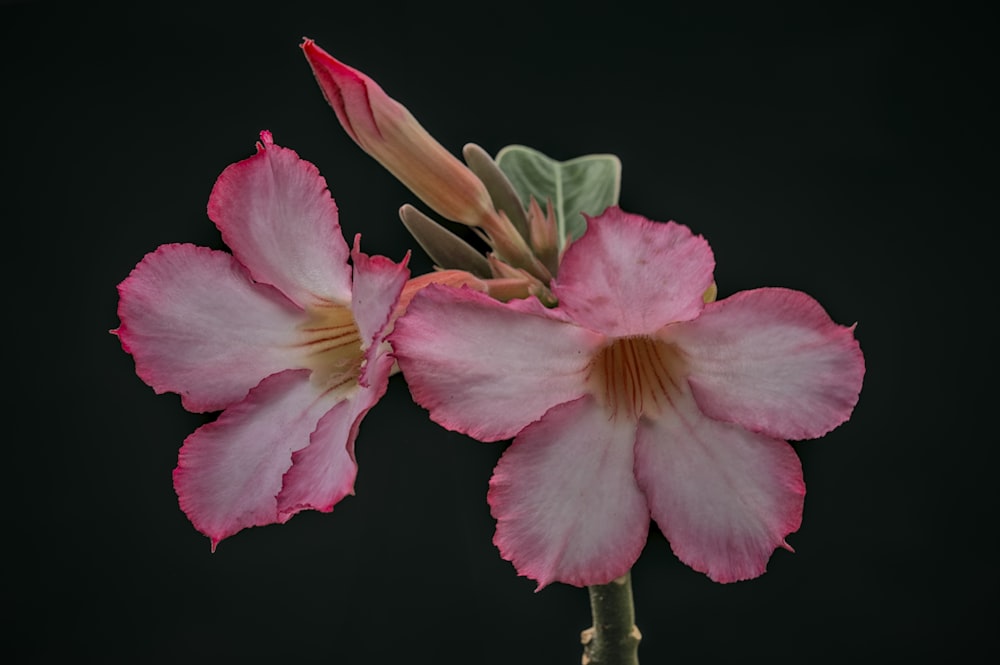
(230, 471)
(723, 496)
(378, 283)
(275, 213)
(484, 368)
(773, 361)
(197, 325)
(628, 275)
(323, 472)
(564, 494)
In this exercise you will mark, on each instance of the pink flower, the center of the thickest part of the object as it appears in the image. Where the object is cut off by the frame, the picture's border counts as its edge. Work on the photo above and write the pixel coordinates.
(282, 335)
(635, 399)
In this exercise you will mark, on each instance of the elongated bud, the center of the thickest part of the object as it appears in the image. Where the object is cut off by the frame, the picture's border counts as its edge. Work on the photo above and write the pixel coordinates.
(510, 282)
(387, 131)
(544, 234)
(500, 189)
(445, 248)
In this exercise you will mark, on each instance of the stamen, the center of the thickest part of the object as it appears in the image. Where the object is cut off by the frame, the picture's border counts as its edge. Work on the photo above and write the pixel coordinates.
(636, 376)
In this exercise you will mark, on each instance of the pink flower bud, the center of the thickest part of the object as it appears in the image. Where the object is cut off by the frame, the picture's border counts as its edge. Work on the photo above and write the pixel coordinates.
(387, 131)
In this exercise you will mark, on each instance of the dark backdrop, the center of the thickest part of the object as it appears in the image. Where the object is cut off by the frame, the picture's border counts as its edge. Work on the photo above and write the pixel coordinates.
(835, 151)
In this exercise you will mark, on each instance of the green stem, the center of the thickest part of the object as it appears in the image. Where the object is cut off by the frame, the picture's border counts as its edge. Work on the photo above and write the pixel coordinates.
(614, 637)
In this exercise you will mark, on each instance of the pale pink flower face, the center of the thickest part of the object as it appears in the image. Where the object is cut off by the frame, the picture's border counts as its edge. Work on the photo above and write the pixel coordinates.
(634, 399)
(283, 336)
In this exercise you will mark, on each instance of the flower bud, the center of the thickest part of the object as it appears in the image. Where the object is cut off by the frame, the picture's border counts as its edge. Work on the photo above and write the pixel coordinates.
(387, 131)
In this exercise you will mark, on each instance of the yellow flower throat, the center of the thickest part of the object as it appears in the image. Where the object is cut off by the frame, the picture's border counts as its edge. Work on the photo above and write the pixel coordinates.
(636, 376)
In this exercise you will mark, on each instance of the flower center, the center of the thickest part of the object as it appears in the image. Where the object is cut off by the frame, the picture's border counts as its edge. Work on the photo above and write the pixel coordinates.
(636, 376)
(332, 347)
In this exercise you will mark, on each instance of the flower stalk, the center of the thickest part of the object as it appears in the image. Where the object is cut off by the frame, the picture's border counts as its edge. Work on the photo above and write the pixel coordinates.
(614, 637)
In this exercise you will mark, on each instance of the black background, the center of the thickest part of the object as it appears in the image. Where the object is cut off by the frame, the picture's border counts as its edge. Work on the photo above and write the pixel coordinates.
(841, 152)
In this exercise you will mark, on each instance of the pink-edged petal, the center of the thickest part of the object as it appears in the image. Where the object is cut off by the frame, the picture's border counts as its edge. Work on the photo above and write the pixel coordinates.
(484, 368)
(773, 361)
(378, 283)
(197, 325)
(231, 471)
(628, 275)
(323, 472)
(565, 498)
(723, 496)
(276, 214)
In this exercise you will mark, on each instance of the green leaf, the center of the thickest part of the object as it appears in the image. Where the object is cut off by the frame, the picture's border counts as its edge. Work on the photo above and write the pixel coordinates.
(587, 184)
